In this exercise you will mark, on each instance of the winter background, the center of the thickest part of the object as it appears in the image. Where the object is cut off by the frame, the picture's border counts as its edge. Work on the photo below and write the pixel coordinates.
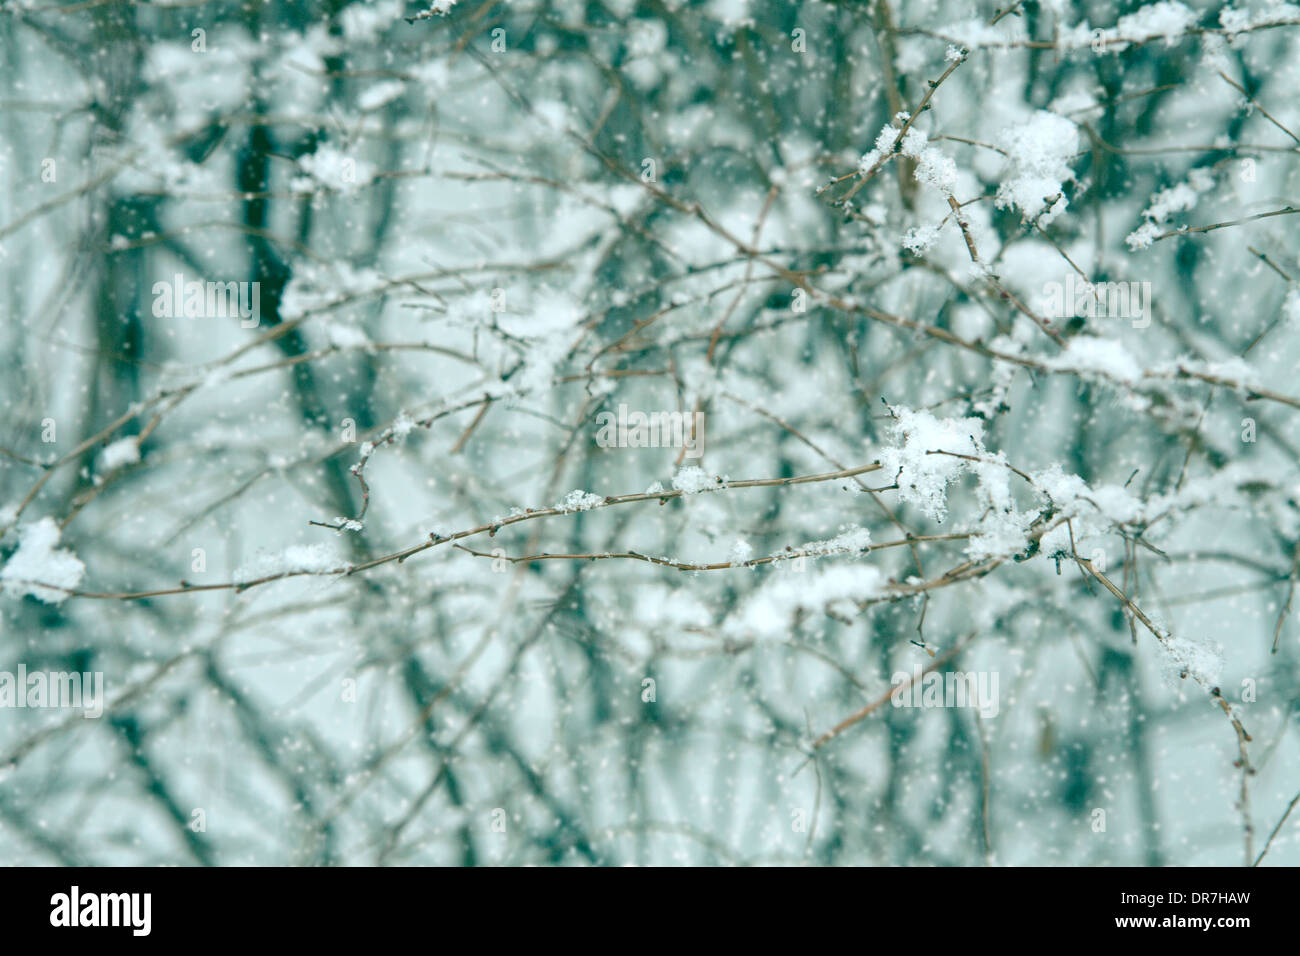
(829, 228)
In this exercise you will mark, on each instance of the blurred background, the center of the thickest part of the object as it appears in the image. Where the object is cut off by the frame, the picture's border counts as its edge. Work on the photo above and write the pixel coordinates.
(471, 229)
